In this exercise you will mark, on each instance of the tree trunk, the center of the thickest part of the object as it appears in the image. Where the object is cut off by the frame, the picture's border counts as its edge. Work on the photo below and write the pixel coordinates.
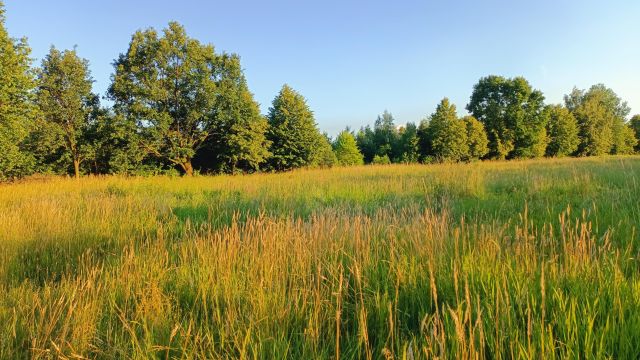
(76, 167)
(188, 168)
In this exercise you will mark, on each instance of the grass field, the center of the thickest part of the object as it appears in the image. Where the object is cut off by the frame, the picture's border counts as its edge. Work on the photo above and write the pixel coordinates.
(523, 259)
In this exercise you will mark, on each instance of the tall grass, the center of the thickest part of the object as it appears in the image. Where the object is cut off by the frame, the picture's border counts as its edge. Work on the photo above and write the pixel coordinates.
(530, 259)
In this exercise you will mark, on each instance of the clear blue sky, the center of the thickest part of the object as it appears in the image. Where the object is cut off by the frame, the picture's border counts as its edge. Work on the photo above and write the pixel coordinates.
(354, 59)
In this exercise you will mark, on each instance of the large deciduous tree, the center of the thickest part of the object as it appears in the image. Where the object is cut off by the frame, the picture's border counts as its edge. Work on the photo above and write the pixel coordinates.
(513, 115)
(68, 107)
(16, 103)
(601, 119)
(562, 129)
(293, 133)
(179, 92)
(238, 137)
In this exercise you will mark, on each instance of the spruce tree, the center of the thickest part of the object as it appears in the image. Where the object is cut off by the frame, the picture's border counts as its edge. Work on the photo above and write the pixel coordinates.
(293, 133)
(446, 134)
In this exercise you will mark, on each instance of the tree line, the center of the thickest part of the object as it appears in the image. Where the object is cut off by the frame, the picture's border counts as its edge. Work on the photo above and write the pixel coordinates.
(178, 105)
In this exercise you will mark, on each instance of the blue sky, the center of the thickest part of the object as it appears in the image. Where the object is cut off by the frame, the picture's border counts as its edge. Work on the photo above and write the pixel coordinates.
(354, 59)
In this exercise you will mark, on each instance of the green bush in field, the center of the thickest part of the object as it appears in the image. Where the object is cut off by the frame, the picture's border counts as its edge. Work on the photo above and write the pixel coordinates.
(381, 160)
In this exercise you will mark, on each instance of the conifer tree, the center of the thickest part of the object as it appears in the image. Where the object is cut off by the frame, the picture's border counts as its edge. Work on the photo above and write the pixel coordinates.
(293, 133)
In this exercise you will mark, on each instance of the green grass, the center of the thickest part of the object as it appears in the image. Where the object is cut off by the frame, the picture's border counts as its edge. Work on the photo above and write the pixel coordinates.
(522, 259)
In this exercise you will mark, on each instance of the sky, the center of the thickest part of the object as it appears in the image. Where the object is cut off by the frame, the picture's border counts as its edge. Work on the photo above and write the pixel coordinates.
(354, 59)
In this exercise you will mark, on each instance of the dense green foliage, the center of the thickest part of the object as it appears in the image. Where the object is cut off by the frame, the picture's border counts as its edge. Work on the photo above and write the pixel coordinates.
(408, 144)
(16, 105)
(177, 106)
(293, 133)
(346, 149)
(513, 115)
(601, 116)
(68, 110)
(531, 259)
(476, 138)
(635, 126)
(380, 141)
(179, 92)
(445, 134)
(562, 129)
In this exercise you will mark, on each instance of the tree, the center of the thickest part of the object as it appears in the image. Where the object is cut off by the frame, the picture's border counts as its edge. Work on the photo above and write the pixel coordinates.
(366, 143)
(513, 116)
(624, 141)
(386, 135)
(238, 139)
(293, 133)
(382, 140)
(118, 149)
(635, 126)
(170, 86)
(562, 129)
(446, 134)
(17, 110)
(424, 141)
(408, 144)
(600, 114)
(67, 104)
(346, 149)
(476, 137)
(324, 156)
(381, 160)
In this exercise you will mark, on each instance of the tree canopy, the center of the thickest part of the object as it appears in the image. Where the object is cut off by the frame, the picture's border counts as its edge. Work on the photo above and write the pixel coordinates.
(346, 149)
(68, 106)
(600, 114)
(445, 134)
(176, 89)
(635, 126)
(562, 129)
(177, 105)
(513, 115)
(476, 138)
(293, 133)
(17, 110)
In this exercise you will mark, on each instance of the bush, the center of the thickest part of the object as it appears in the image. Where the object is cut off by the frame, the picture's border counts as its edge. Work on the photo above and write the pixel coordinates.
(381, 160)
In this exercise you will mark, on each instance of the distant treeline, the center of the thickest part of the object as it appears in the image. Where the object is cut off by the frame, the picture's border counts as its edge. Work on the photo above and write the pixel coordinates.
(178, 106)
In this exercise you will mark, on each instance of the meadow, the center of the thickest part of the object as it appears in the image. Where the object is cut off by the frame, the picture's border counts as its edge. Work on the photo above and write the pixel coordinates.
(495, 260)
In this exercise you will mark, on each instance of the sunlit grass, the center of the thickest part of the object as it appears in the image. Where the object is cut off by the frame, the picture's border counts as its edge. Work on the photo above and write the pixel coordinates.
(527, 259)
